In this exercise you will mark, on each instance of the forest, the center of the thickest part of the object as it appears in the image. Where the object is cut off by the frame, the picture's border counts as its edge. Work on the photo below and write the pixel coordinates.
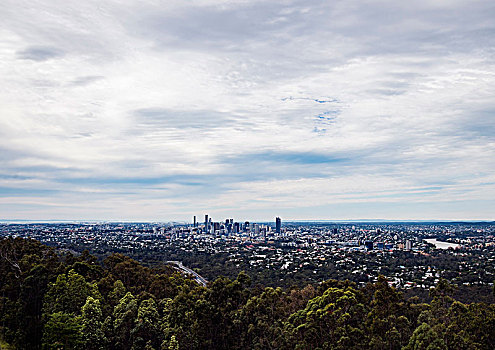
(55, 300)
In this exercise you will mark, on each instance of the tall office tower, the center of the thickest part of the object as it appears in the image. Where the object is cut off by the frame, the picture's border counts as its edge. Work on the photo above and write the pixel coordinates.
(229, 225)
(246, 226)
(368, 245)
(206, 224)
(278, 224)
(256, 229)
(194, 221)
(236, 227)
(408, 244)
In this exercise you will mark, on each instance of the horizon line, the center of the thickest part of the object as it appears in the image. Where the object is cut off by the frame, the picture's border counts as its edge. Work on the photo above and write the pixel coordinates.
(48, 221)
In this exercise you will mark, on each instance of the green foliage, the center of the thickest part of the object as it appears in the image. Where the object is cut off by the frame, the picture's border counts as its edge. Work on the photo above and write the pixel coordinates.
(68, 294)
(117, 292)
(124, 316)
(72, 302)
(172, 344)
(94, 336)
(424, 337)
(5, 346)
(62, 331)
(146, 325)
(260, 320)
(331, 320)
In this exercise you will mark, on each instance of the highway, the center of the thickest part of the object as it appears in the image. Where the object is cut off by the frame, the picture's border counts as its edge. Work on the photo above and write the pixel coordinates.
(178, 266)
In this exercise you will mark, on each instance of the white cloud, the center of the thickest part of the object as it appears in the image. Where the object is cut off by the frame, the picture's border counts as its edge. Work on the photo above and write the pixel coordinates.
(171, 108)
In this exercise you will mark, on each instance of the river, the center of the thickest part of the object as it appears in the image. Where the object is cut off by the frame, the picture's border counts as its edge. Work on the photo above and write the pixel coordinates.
(441, 245)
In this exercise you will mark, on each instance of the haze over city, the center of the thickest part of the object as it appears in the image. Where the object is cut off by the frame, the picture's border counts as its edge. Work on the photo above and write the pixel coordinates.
(247, 109)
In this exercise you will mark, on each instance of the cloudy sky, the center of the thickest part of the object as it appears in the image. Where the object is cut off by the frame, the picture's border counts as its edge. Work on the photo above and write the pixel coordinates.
(160, 110)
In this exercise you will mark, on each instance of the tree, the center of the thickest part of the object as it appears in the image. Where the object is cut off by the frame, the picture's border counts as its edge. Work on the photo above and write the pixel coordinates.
(92, 325)
(388, 327)
(260, 321)
(124, 315)
(424, 337)
(147, 323)
(68, 294)
(172, 344)
(332, 320)
(117, 292)
(30, 303)
(62, 331)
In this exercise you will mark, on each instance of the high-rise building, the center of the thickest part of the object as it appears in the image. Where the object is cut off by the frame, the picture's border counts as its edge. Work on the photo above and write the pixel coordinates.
(207, 227)
(408, 244)
(278, 224)
(256, 229)
(194, 221)
(368, 245)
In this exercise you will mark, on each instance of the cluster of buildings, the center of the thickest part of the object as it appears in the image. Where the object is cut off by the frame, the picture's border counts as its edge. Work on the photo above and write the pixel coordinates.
(293, 235)
(229, 228)
(410, 254)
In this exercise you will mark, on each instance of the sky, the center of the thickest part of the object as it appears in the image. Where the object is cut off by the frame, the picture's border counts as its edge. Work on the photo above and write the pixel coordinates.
(161, 110)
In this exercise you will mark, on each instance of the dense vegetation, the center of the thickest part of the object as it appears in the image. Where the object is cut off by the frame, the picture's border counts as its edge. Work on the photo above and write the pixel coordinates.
(472, 270)
(53, 301)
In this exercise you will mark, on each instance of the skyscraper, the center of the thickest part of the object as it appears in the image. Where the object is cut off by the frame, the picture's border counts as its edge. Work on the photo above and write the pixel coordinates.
(368, 245)
(206, 224)
(194, 221)
(408, 244)
(278, 224)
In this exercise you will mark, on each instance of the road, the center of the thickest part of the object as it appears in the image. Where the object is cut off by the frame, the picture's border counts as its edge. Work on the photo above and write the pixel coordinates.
(186, 270)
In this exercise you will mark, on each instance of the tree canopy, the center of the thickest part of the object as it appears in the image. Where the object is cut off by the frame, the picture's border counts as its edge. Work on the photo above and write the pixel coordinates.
(61, 301)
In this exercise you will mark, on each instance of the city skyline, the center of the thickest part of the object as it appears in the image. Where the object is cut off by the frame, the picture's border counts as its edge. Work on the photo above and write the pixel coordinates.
(149, 111)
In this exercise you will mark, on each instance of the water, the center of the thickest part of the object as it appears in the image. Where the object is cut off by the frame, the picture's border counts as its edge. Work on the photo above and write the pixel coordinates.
(441, 245)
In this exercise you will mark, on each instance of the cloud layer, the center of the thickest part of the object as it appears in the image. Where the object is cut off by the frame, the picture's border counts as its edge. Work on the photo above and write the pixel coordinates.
(160, 110)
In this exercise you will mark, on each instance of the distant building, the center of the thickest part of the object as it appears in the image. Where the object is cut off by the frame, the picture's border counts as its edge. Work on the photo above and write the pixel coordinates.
(368, 245)
(194, 221)
(408, 244)
(207, 224)
(256, 229)
(278, 224)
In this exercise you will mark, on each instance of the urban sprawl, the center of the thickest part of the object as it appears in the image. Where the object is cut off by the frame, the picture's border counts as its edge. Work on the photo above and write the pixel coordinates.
(409, 255)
